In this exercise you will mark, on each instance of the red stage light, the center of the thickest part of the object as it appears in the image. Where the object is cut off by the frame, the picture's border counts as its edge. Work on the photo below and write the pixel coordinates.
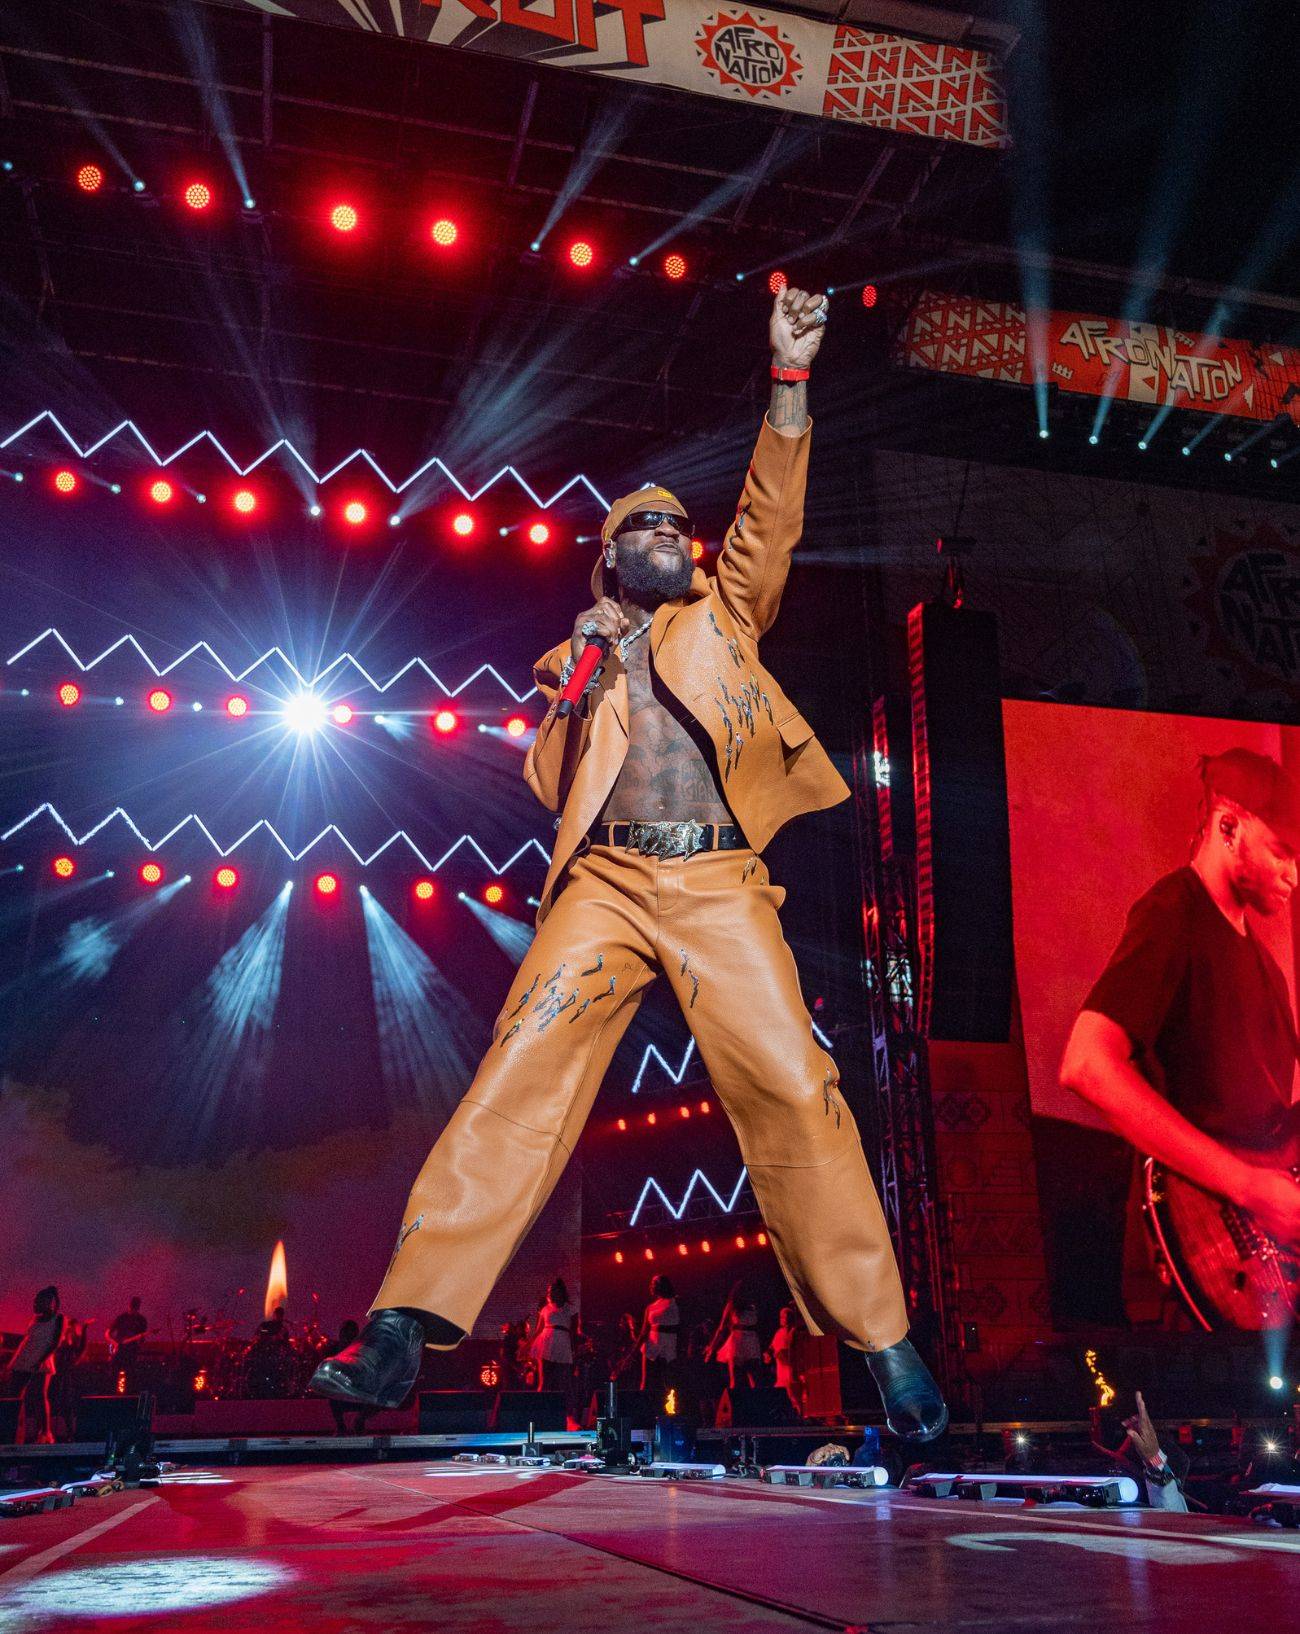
(777, 281)
(236, 707)
(342, 714)
(649, 1253)
(581, 253)
(685, 1111)
(622, 1123)
(705, 1107)
(651, 1119)
(697, 549)
(870, 295)
(90, 178)
(162, 492)
(65, 481)
(150, 873)
(64, 867)
(198, 196)
(245, 501)
(69, 694)
(344, 218)
(761, 1239)
(327, 884)
(740, 1242)
(463, 524)
(618, 1256)
(226, 878)
(493, 895)
(424, 890)
(445, 721)
(706, 1247)
(539, 533)
(681, 1249)
(160, 700)
(674, 266)
(516, 726)
(444, 232)
(355, 512)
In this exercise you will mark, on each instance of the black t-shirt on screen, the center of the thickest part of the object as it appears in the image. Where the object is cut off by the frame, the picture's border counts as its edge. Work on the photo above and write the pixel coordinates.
(1207, 1011)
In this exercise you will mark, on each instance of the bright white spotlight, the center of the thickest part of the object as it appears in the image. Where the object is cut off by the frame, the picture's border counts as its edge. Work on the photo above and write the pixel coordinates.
(1276, 1382)
(305, 713)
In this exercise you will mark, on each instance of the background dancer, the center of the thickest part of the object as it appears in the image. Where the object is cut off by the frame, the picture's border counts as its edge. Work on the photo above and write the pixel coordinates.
(682, 761)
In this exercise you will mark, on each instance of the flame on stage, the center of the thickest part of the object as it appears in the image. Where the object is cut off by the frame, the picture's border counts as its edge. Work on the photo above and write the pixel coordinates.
(1105, 1390)
(277, 1284)
(670, 1406)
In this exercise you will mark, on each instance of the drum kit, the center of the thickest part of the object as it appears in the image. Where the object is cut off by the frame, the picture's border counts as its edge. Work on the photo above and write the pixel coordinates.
(275, 1364)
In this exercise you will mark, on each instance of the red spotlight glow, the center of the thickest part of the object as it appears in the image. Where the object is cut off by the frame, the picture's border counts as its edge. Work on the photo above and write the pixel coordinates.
(697, 549)
(342, 714)
(161, 492)
(685, 1111)
(706, 1247)
(761, 1239)
(539, 533)
(444, 232)
(236, 707)
(674, 266)
(516, 726)
(344, 218)
(226, 878)
(651, 1119)
(445, 720)
(740, 1242)
(69, 694)
(622, 1123)
(244, 501)
(90, 178)
(777, 281)
(198, 196)
(424, 889)
(463, 524)
(64, 867)
(649, 1253)
(494, 894)
(65, 481)
(618, 1256)
(355, 513)
(870, 295)
(681, 1249)
(327, 884)
(705, 1107)
(581, 253)
(160, 700)
(150, 874)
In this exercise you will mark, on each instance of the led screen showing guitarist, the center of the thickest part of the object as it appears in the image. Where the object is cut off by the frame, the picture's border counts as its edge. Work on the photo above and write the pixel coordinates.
(1186, 1044)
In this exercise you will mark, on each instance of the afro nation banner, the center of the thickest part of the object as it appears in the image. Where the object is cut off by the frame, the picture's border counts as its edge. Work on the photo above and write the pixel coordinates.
(764, 58)
(1104, 357)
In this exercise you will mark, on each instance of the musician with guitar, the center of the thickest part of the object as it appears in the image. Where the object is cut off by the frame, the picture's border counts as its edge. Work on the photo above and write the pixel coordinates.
(1187, 1046)
(126, 1336)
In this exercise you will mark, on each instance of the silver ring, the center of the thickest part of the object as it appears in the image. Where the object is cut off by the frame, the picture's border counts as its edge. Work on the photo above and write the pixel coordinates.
(589, 627)
(819, 316)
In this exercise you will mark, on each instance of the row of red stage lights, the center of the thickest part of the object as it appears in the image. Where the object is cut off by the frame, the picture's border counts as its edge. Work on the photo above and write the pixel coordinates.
(652, 1118)
(327, 885)
(246, 502)
(705, 1246)
(347, 218)
(159, 701)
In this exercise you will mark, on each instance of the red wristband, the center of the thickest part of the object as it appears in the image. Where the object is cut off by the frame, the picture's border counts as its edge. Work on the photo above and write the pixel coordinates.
(787, 375)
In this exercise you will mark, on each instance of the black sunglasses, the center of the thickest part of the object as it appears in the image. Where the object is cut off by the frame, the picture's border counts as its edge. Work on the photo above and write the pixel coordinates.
(638, 521)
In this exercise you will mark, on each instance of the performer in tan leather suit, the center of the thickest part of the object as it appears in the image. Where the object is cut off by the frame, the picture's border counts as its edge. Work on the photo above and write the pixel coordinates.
(682, 760)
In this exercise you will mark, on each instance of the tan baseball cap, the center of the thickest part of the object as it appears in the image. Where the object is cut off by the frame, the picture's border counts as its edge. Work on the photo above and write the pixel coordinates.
(647, 498)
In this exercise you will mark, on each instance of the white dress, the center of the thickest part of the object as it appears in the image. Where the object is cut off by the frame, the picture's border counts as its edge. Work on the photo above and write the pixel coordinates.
(554, 1342)
(661, 1346)
(741, 1343)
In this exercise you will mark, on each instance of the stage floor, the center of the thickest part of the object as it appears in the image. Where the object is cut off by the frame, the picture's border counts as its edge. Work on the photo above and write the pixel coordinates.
(396, 1547)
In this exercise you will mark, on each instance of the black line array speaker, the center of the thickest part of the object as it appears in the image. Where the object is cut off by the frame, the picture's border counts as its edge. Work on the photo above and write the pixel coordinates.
(517, 1409)
(963, 839)
(454, 1412)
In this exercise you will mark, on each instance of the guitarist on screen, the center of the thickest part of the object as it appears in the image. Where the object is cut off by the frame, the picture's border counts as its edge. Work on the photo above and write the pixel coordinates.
(1186, 1043)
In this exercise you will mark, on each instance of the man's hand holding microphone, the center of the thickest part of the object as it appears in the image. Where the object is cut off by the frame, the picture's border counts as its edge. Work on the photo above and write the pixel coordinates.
(594, 633)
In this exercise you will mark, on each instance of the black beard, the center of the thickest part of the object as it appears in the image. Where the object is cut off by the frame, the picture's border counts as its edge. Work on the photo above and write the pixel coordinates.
(644, 579)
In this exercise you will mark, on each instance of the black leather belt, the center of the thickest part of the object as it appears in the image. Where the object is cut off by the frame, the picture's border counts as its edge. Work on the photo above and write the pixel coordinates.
(669, 839)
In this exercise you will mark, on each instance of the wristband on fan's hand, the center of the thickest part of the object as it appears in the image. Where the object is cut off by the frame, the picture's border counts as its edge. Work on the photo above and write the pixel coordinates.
(788, 375)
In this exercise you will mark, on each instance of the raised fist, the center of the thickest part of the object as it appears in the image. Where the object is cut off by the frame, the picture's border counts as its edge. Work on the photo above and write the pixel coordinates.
(793, 330)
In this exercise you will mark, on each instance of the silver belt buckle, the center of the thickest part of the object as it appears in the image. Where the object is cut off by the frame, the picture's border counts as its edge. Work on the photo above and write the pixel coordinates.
(666, 839)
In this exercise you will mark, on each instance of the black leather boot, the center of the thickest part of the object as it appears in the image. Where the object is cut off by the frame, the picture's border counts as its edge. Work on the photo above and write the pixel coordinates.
(379, 1367)
(914, 1409)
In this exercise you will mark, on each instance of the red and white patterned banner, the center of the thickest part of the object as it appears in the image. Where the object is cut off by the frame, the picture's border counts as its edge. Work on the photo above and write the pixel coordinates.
(1104, 357)
(950, 93)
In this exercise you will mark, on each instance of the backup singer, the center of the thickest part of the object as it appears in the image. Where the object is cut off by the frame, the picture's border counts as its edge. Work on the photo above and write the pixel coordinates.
(670, 778)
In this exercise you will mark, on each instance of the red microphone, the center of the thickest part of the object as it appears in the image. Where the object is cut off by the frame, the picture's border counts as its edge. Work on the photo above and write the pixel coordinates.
(592, 654)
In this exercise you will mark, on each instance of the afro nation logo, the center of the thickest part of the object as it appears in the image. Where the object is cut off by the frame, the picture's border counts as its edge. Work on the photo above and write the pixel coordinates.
(739, 50)
(1243, 595)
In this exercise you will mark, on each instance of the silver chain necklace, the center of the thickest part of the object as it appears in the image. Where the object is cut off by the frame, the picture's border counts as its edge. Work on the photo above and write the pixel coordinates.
(627, 640)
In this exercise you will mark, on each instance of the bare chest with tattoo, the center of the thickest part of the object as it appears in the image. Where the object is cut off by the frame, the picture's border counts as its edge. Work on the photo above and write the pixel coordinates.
(669, 773)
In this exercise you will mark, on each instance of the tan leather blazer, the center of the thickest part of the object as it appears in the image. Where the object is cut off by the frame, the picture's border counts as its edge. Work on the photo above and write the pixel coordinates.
(705, 650)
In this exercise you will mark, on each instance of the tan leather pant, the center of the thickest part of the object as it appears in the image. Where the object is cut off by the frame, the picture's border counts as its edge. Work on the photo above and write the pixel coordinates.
(709, 922)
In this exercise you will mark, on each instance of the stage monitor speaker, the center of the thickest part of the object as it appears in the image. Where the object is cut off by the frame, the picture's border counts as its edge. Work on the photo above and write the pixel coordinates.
(10, 1409)
(755, 1409)
(454, 1412)
(99, 1417)
(517, 1409)
(963, 838)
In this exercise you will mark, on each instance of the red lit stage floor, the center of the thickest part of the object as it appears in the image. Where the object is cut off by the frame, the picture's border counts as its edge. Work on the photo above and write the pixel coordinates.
(329, 1549)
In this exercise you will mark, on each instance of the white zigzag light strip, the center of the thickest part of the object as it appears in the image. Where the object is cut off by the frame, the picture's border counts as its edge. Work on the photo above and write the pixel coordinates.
(129, 427)
(698, 1178)
(294, 856)
(315, 681)
(680, 1072)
